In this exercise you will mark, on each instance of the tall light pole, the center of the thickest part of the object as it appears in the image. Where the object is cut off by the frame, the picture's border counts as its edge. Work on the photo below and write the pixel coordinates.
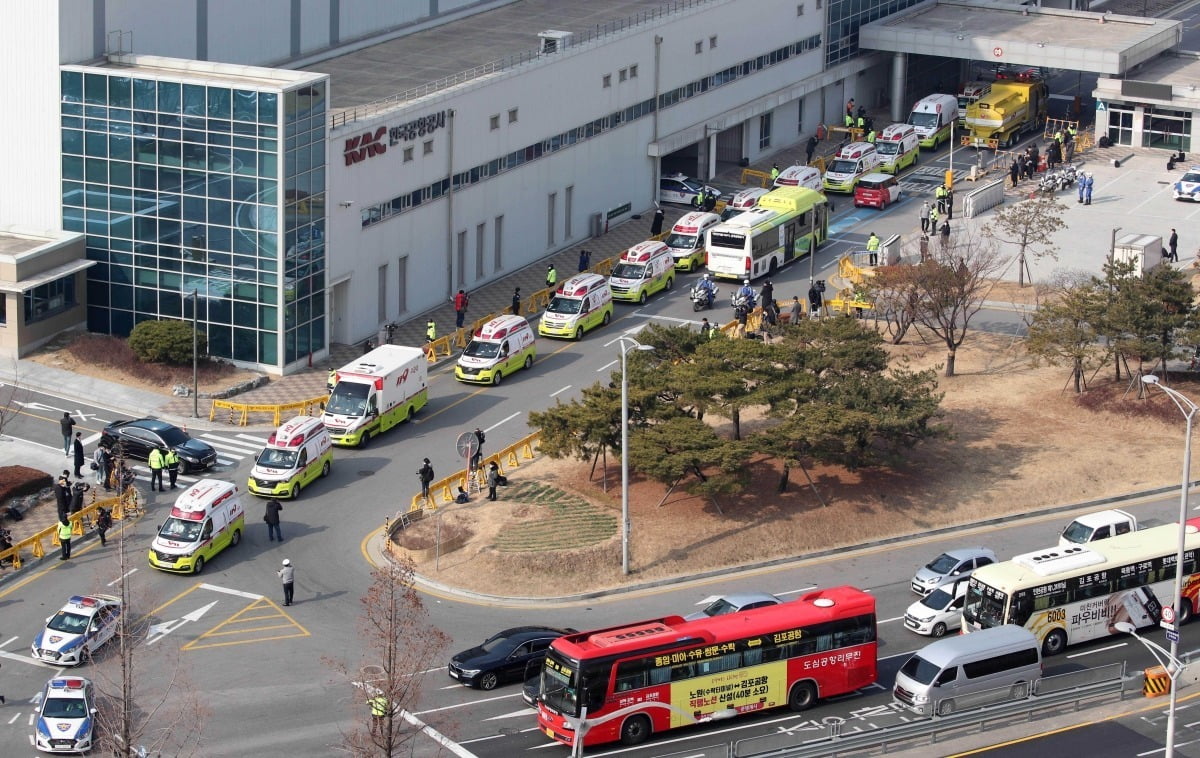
(1188, 409)
(627, 344)
(195, 355)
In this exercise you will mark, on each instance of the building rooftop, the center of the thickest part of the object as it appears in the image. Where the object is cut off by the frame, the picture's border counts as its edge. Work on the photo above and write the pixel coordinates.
(16, 240)
(208, 71)
(426, 61)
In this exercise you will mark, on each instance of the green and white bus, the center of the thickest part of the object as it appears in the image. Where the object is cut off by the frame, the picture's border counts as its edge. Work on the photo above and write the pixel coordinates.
(787, 224)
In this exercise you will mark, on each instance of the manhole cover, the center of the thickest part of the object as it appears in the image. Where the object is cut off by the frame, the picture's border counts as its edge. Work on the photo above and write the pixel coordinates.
(509, 731)
(366, 473)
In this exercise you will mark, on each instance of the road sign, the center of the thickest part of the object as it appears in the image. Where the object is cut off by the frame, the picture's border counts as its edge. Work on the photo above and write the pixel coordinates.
(1168, 614)
(467, 445)
(1169, 626)
(1172, 635)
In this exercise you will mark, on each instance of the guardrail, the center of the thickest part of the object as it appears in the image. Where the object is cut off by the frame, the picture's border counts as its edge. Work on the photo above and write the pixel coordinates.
(1001, 706)
(446, 489)
(239, 413)
(35, 545)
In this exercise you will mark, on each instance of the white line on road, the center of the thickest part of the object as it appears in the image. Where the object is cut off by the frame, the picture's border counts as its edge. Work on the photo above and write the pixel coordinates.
(607, 366)
(256, 440)
(1097, 650)
(894, 618)
(564, 389)
(122, 578)
(228, 591)
(688, 321)
(8, 641)
(22, 658)
(437, 736)
(802, 589)
(466, 705)
(513, 714)
(502, 421)
(89, 439)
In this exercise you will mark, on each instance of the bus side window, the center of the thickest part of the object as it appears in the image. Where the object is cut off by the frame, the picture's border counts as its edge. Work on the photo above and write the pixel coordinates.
(631, 675)
(1021, 608)
(681, 671)
(752, 657)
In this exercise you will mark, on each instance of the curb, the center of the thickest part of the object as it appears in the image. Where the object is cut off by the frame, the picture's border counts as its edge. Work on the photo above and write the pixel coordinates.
(434, 586)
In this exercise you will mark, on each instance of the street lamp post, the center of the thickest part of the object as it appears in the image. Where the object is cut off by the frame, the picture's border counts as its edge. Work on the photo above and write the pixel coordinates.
(1188, 409)
(627, 344)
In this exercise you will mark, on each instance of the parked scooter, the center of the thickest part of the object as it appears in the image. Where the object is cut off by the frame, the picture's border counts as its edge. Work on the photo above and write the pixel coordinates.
(702, 298)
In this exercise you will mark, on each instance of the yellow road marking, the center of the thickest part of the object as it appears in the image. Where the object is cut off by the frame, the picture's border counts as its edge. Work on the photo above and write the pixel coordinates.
(247, 615)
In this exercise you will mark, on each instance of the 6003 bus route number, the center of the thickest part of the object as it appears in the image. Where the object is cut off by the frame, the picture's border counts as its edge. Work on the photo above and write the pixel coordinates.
(1056, 614)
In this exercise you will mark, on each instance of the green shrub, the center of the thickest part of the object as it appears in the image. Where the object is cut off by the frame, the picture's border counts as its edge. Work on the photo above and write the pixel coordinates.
(166, 342)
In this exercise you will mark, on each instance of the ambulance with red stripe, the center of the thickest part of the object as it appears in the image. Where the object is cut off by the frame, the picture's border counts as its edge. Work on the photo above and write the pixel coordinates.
(207, 518)
(686, 240)
(500, 347)
(580, 304)
(372, 394)
(898, 147)
(642, 270)
(296, 454)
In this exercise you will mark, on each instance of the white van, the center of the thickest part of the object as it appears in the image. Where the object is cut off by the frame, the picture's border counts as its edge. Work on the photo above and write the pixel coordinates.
(742, 201)
(642, 270)
(500, 347)
(939, 678)
(686, 239)
(938, 612)
(851, 163)
(580, 304)
(207, 518)
(297, 453)
(898, 148)
(799, 176)
(932, 117)
(1097, 526)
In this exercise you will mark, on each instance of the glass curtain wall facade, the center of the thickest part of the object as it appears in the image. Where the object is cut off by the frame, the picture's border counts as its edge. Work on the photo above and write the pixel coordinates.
(844, 19)
(199, 194)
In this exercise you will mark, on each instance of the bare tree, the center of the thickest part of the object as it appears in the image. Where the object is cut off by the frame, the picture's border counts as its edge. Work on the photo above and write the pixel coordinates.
(952, 285)
(147, 705)
(10, 398)
(895, 292)
(1030, 225)
(398, 643)
(1066, 328)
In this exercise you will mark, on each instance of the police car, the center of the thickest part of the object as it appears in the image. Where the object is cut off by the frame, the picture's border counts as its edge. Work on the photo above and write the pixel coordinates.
(66, 720)
(78, 629)
(678, 188)
(1188, 188)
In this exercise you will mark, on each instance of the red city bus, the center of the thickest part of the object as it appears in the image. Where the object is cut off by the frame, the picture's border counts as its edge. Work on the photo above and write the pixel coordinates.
(656, 675)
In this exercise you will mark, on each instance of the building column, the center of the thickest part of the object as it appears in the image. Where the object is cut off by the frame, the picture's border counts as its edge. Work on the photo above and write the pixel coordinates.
(899, 74)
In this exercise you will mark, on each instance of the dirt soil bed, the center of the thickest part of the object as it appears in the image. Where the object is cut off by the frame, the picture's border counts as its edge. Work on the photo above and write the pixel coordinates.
(1021, 441)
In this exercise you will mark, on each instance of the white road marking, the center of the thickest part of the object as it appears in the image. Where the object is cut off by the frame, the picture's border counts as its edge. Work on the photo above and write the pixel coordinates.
(122, 577)
(802, 589)
(514, 714)
(259, 441)
(437, 736)
(227, 591)
(21, 658)
(466, 705)
(501, 421)
(564, 389)
(607, 366)
(895, 618)
(89, 439)
(709, 599)
(1097, 650)
(8, 641)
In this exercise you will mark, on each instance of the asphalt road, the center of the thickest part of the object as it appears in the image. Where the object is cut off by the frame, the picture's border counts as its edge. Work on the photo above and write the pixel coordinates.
(262, 668)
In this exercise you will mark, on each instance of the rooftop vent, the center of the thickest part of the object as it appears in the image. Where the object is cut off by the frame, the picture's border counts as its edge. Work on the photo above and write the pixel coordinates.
(553, 40)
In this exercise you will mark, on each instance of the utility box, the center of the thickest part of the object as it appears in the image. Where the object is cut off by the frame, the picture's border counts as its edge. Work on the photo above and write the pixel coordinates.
(1144, 251)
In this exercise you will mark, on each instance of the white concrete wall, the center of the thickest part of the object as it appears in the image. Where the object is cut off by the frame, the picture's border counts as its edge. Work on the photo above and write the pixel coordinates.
(163, 28)
(359, 18)
(29, 135)
(252, 33)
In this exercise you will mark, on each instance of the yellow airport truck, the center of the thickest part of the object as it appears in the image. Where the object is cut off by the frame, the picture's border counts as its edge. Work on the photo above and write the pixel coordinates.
(1012, 108)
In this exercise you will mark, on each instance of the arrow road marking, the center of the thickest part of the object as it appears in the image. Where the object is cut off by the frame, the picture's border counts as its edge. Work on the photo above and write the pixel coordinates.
(158, 631)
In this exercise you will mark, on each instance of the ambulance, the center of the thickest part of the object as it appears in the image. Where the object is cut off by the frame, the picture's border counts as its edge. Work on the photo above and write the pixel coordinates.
(296, 453)
(642, 270)
(932, 117)
(851, 162)
(207, 518)
(580, 304)
(898, 148)
(686, 239)
(742, 201)
(799, 176)
(497, 349)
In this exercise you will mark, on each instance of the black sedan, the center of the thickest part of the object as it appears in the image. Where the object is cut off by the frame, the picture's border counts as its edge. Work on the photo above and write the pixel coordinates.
(503, 657)
(138, 437)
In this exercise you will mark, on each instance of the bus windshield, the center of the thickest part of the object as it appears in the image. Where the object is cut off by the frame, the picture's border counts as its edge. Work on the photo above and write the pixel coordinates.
(629, 271)
(984, 606)
(929, 120)
(557, 690)
(477, 349)
(564, 305)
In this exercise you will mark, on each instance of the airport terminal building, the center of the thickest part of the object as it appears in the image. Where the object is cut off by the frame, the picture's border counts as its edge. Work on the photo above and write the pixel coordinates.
(295, 174)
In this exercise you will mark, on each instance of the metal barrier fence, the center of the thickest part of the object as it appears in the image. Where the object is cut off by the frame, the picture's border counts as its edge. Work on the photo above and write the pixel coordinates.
(239, 413)
(506, 459)
(35, 545)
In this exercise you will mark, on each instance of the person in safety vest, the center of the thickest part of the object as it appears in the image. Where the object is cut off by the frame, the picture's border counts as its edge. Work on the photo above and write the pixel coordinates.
(172, 461)
(157, 462)
(430, 330)
(774, 172)
(873, 248)
(64, 539)
(551, 276)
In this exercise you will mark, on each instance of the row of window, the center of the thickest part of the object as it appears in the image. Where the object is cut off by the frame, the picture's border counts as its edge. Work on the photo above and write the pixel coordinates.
(818, 638)
(374, 214)
(1096, 584)
(45, 301)
(845, 18)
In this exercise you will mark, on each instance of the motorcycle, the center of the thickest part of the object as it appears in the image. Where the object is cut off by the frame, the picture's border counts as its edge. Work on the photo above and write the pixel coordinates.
(702, 299)
(741, 301)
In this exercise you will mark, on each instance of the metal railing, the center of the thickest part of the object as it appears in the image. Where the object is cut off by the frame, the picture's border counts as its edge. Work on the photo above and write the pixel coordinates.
(239, 413)
(39, 544)
(599, 31)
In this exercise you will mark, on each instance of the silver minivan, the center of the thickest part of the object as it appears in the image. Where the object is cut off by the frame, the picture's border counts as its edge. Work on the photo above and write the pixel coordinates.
(937, 677)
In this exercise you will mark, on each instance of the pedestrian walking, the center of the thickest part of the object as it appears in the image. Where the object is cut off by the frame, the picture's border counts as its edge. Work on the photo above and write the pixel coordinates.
(945, 233)
(925, 216)
(1173, 243)
(460, 308)
(271, 518)
(657, 224)
(77, 449)
(158, 462)
(425, 474)
(810, 148)
(103, 523)
(1080, 186)
(516, 302)
(585, 260)
(430, 330)
(480, 438)
(172, 460)
(67, 423)
(873, 248)
(64, 539)
(102, 463)
(551, 277)
(493, 479)
(287, 577)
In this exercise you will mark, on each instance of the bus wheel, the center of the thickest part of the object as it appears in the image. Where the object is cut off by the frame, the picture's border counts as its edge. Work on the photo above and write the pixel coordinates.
(771, 269)
(1185, 611)
(635, 730)
(803, 697)
(1055, 643)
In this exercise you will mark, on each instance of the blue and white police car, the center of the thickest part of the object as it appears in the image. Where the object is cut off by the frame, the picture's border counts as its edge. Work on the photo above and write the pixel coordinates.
(1188, 188)
(66, 719)
(78, 629)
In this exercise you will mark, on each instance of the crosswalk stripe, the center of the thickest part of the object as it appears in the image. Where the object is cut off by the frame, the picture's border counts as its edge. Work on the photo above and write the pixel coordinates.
(232, 444)
(258, 441)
